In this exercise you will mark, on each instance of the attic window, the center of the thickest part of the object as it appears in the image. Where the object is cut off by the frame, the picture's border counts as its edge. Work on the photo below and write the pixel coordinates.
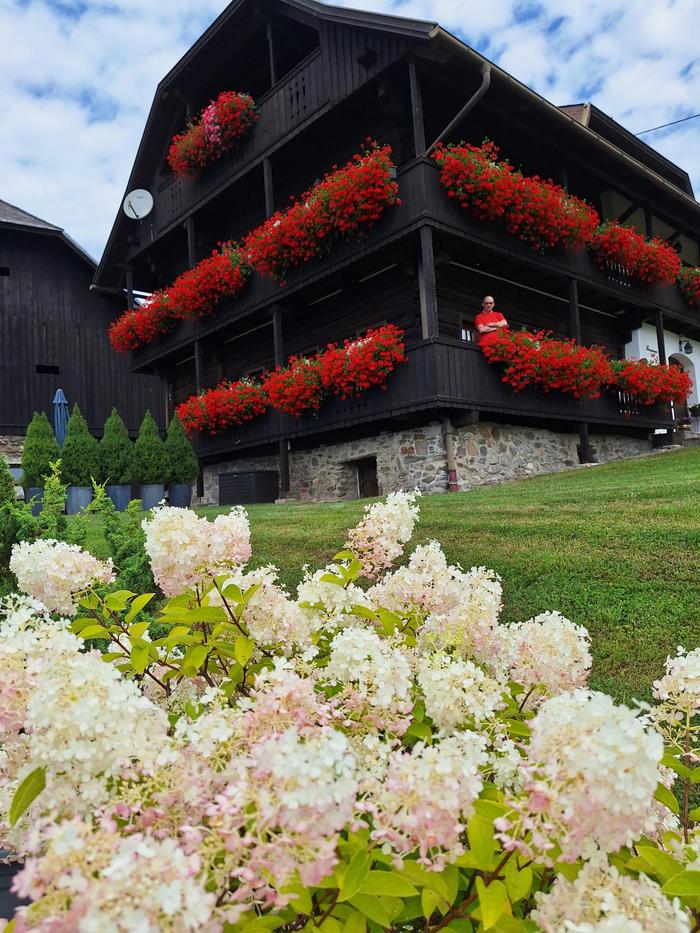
(367, 58)
(4, 270)
(47, 369)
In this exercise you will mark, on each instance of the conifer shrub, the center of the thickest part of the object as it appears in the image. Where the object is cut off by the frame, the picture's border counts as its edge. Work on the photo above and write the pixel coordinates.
(79, 453)
(150, 458)
(182, 461)
(7, 483)
(40, 450)
(115, 453)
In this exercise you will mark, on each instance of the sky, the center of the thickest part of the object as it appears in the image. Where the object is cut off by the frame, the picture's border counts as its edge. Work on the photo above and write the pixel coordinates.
(77, 79)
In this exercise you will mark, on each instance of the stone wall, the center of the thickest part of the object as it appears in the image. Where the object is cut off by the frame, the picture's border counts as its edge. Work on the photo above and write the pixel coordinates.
(485, 453)
(11, 448)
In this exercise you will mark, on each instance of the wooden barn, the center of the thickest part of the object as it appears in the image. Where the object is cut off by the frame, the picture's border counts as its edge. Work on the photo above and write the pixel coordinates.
(324, 79)
(53, 334)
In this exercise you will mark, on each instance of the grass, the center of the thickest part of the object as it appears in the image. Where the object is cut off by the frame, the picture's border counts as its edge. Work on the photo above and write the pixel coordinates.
(612, 547)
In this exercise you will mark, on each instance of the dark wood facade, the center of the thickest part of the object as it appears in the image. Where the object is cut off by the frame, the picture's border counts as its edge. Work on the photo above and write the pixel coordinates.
(53, 333)
(325, 79)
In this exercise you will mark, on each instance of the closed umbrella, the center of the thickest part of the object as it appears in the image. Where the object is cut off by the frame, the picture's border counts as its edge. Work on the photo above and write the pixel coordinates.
(60, 416)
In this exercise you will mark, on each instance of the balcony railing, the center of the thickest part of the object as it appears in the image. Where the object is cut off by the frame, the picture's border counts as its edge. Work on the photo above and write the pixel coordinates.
(283, 109)
(440, 374)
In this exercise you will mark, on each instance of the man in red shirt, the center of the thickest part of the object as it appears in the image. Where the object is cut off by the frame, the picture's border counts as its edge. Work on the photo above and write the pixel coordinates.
(488, 322)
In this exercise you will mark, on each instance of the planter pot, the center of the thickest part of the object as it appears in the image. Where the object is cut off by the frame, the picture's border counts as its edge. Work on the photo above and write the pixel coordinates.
(180, 495)
(120, 495)
(151, 494)
(9, 902)
(34, 492)
(78, 498)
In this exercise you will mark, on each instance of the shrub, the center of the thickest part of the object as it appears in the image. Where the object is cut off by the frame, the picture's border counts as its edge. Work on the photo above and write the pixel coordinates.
(40, 450)
(182, 461)
(125, 539)
(150, 459)
(115, 453)
(7, 483)
(79, 453)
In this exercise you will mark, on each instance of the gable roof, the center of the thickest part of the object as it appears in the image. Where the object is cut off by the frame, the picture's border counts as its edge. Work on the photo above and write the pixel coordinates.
(14, 217)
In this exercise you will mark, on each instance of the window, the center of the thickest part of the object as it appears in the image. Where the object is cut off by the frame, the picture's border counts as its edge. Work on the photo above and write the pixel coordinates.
(47, 370)
(467, 332)
(4, 270)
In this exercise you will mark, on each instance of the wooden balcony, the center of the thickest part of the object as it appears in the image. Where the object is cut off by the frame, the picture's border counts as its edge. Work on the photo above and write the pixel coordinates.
(445, 375)
(284, 110)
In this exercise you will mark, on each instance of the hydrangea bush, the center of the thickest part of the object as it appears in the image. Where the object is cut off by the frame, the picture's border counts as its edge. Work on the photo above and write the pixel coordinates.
(376, 752)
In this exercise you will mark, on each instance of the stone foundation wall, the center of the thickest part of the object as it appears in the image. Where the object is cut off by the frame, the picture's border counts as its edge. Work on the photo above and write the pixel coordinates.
(416, 458)
(11, 448)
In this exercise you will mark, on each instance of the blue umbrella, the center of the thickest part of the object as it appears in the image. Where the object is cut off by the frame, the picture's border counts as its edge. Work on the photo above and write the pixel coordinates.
(60, 416)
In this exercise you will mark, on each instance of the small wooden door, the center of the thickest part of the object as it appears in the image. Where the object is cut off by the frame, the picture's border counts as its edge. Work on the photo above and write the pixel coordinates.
(367, 482)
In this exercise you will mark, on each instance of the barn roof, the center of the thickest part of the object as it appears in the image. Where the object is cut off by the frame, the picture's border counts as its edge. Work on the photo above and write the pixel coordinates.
(16, 218)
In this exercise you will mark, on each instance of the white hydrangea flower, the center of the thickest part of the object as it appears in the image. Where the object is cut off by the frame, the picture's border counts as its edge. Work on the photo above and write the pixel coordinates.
(457, 692)
(54, 572)
(601, 900)
(377, 541)
(358, 656)
(547, 654)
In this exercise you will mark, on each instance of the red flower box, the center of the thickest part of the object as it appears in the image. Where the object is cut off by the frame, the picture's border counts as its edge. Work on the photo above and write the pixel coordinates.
(651, 261)
(302, 385)
(346, 203)
(535, 359)
(689, 284)
(537, 211)
(218, 129)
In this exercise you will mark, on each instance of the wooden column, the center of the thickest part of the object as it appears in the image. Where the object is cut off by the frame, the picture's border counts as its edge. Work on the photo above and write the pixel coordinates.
(197, 367)
(271, 53)
(129, 287)
(427, 284)
(575, 332)
(191, 243)
(269, 190)
(660, 339)
(416, 109)
(278, 344)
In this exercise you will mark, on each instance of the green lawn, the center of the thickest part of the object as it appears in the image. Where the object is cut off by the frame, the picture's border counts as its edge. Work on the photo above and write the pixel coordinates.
(613, 547)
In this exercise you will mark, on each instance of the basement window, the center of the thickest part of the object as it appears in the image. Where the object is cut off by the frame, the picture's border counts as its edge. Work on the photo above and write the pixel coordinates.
(4, 270)
(47, 370)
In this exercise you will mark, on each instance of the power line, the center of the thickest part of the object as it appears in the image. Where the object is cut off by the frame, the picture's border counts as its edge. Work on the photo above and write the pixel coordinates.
(672, 123)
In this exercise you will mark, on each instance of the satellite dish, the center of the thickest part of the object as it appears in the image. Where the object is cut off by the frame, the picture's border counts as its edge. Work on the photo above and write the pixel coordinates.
(138, 204)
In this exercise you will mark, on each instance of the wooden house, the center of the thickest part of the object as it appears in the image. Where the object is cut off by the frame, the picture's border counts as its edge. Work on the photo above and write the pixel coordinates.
(53, 334)
(324, 79)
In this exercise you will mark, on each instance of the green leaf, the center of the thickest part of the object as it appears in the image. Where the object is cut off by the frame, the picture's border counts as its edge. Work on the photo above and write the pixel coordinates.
(684, 884)
(426, 879)
(137, 605)
(660, 863)
(302, 902)
(138, 630)
(94, 631)
(243, 649)
(493, 899)
(330, 925)
(429, 901)
(461, 925)
(517, 882)
(695, 776)
(371, 907)
(387, 883)
(664, 796)
(694, 815)
(194, 658)
(118, 600)
(139, 657)
(332, 578)
(517, 728)
(420, 730)
(355, 923)
(670, 761)
(481, 841)
(26, 794)
(356, 875)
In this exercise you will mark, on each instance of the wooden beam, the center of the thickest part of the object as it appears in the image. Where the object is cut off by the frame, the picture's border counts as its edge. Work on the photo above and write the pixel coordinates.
(660, 339)
(427, 284)
(626, 214)
(191, 242)
(269, 189)
(416, 109)
(278, 344)
(271, 53)
(129, 287)
(575, 332)
(197, 366)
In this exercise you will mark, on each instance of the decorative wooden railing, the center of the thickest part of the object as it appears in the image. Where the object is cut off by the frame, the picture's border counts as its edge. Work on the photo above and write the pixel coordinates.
(440, 374)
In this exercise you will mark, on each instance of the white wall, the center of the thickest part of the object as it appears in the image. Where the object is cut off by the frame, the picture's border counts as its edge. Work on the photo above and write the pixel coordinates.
(644, 345)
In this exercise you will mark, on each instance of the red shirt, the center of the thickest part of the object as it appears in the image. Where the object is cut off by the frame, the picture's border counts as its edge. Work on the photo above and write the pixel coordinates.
(487, 317)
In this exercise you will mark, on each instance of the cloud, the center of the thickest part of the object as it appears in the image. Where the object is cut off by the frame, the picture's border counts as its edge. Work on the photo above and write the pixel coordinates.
(78, 77)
